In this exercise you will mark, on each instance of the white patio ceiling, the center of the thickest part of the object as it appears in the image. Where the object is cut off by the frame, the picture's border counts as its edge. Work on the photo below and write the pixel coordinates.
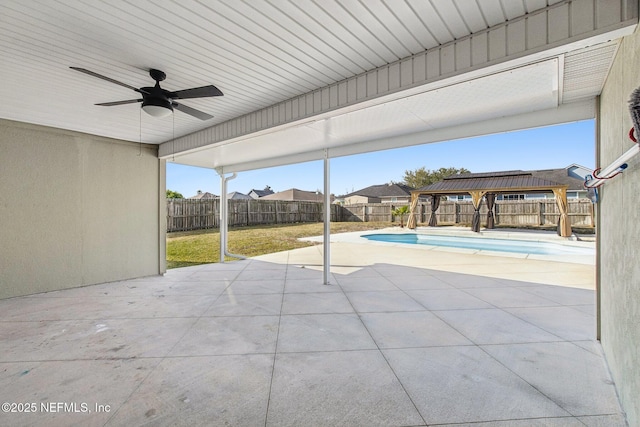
(300, 76)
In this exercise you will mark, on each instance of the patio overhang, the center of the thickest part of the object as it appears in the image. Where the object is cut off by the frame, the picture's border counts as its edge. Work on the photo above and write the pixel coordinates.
(445, 110)
(427, 97)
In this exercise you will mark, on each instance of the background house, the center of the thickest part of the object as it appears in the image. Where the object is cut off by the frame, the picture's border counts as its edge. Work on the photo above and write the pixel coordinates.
(384, 193)
(235, 195)
(295, 194)
(203, 196)
(256, 194)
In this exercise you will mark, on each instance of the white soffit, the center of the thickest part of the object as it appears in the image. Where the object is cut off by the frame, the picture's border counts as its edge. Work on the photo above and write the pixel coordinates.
(416, 119)
(585, 71)
(526, 89)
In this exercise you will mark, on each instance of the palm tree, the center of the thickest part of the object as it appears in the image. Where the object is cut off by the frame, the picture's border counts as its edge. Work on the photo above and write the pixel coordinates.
(401, 211)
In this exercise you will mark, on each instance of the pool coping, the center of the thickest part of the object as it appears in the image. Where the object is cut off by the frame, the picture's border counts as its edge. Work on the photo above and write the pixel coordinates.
(532, 236)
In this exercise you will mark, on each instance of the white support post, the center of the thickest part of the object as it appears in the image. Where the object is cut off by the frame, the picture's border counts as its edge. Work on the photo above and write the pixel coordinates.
(223, 215)
(327, 222)
(224, 218)
(162, 217)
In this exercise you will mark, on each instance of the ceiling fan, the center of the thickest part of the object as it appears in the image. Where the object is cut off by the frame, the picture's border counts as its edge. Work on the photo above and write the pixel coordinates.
(159, 102)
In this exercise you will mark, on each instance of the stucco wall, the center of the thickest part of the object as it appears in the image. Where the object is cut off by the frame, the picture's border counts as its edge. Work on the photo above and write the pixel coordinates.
(354, 200)
(75, 209)
(619, 232)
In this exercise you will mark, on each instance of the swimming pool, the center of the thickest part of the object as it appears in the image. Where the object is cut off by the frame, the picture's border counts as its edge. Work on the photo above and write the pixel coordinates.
(482, 244)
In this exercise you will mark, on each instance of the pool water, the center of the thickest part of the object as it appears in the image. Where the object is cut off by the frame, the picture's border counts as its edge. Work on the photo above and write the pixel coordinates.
(483, 244)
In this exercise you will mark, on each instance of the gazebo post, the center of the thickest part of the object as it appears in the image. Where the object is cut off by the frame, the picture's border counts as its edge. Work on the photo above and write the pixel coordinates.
(476, 199)
(435, 203)
(491, 201)
(564, 223)
(411, 222)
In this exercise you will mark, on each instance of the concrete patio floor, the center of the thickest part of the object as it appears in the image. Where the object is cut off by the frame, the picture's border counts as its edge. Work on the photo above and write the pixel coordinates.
(401, 337)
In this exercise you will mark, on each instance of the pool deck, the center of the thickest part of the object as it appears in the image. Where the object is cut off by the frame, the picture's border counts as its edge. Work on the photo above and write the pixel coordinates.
(401, 337)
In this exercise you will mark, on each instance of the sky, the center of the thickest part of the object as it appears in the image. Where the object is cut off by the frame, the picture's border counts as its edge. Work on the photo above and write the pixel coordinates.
(540, 148)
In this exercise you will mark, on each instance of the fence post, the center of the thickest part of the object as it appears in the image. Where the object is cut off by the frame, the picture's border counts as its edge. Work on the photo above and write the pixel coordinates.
(216, 212)
(540, 214)
(169, 216)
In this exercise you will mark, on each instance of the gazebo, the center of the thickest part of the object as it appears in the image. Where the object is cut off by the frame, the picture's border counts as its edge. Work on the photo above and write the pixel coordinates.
(490, 185)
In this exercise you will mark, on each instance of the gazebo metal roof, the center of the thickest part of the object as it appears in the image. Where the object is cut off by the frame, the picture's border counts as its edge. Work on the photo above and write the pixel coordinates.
(495, 182)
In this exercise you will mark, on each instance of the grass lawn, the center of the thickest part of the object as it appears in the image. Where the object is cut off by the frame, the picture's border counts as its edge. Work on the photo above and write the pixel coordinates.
(203, 246)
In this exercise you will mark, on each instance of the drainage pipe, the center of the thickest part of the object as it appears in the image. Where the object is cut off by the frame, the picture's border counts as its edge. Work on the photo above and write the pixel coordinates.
(224, 212)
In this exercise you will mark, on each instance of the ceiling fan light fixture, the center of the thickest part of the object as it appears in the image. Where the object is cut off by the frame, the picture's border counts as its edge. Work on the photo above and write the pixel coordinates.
(157, 107)
(156, 101)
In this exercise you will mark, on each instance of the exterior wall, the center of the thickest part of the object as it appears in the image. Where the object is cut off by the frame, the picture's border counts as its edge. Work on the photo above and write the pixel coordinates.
(354, 200)
(396, 199)
(619, 232)
(76, 209)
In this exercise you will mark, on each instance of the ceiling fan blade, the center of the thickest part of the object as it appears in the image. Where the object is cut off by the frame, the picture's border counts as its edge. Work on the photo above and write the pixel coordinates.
(100, 76)
(196, 92)
(192, 111)
(129, 101)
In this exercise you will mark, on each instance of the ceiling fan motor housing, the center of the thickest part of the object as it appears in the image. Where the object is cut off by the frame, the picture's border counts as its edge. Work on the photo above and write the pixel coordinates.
(157, 101)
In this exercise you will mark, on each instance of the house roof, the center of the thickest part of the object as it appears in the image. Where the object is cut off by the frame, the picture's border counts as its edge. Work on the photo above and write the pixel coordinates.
(235, 195)
(261, 193)
(383, 190)
(561, 176)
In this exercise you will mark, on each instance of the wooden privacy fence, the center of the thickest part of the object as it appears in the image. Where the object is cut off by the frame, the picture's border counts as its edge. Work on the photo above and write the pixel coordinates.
(513, 213)
(367, 212)
(188, 214)
(257, 212)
